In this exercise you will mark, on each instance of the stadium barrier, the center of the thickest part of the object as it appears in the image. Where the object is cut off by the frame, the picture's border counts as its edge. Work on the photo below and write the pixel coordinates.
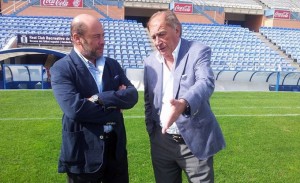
(255, 80)
(238, 80)
(136, 76)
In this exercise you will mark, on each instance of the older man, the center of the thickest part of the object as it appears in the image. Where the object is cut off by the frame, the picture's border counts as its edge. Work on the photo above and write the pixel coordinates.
(179, 81)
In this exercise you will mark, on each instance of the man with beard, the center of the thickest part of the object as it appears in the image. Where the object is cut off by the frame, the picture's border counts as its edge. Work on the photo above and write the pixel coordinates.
(92, 90)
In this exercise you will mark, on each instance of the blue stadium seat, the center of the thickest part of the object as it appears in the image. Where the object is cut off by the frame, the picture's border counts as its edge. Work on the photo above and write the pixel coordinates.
(233, 47)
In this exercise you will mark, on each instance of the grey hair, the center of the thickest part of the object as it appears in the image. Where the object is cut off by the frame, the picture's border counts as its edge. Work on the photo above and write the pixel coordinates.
(170, 19)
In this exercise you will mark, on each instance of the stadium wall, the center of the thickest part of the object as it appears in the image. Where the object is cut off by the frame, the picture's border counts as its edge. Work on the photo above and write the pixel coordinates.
(193, 18)
(51, 11)
(281, 23)
(253, 22)
(112, 11)
(218, 17)
(6, 5)
(286, 24)
(198, 18)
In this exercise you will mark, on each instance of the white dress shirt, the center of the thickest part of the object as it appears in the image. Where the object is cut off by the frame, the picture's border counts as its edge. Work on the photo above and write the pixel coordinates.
(167, 89)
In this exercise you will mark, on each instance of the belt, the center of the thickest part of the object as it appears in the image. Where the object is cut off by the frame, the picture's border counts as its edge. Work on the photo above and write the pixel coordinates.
(177, 138)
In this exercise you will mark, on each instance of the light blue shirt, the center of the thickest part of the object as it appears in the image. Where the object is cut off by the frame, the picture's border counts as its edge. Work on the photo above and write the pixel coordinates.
(97, 72)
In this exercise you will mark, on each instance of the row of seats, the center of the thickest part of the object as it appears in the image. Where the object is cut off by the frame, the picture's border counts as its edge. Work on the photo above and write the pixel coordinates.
(126, 40)
(249, 4)
(233, 47)
(248, 52)
(286, 39)
(283, 4)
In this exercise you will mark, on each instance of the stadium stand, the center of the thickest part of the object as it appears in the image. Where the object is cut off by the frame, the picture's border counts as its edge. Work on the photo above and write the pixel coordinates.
(286, 39)
(236, 48)
(249, 50)
(249, 4)
(280, 4)
(126, 40)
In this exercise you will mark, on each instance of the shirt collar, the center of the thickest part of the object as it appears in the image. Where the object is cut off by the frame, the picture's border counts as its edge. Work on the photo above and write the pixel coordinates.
(175, 53)
(81, 56)
(86, 61)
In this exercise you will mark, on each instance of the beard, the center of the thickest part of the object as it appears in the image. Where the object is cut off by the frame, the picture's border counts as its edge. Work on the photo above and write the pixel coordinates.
(90, 53)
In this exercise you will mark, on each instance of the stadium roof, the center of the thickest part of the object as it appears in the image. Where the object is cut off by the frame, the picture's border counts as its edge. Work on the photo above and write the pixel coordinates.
(14, 52)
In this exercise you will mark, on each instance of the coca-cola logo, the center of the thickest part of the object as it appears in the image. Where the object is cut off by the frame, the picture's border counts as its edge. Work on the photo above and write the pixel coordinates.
(183, 8)
(76, 3)
(62, 3)
(282, 14)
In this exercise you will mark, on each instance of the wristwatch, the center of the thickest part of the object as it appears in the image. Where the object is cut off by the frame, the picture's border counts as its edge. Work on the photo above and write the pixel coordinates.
(96, 99)
(187, 109)
(187, 112)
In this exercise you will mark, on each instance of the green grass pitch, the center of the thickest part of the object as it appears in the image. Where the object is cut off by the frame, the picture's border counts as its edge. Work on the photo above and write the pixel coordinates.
(261, 129)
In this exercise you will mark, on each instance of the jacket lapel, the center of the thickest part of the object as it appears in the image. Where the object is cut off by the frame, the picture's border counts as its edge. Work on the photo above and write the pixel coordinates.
(180, 65)
(83, 70)
(78, 62)
(158, 88)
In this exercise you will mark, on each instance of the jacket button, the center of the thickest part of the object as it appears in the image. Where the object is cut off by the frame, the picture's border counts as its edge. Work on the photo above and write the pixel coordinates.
(101, 137)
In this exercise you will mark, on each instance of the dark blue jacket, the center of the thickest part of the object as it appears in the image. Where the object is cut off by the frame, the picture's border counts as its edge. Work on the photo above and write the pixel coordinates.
(82, 122)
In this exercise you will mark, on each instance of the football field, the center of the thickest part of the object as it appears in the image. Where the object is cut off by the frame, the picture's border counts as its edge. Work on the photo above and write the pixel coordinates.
(261, 129)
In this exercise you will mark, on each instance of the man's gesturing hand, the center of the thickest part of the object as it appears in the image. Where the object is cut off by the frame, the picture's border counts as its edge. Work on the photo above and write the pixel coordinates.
(177, 107)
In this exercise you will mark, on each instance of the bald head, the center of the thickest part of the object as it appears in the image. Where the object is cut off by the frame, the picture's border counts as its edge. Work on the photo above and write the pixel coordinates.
(82, 23)
(87, 35)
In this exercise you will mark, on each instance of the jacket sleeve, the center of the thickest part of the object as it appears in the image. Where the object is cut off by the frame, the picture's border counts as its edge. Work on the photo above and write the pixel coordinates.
(203, 87)
(148, 103)
(115, 98)
(69, 89)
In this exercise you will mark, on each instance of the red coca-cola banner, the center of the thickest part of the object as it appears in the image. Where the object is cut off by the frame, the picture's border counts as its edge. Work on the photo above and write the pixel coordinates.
(62, 3)
(183, 8)
(282, 14)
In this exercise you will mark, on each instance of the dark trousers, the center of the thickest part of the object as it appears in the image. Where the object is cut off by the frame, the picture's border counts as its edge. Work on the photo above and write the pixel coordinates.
(171, 156)
(112, 170)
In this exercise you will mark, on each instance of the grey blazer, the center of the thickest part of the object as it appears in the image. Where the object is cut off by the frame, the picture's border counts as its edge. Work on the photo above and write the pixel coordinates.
(194, 82)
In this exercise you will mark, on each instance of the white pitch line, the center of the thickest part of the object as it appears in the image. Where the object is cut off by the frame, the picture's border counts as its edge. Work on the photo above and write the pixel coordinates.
(255, 107)
(256, 115)
(26, 119)
(139, 117)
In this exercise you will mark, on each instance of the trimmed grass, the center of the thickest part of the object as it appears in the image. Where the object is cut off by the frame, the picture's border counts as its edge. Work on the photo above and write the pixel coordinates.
(261, 131)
